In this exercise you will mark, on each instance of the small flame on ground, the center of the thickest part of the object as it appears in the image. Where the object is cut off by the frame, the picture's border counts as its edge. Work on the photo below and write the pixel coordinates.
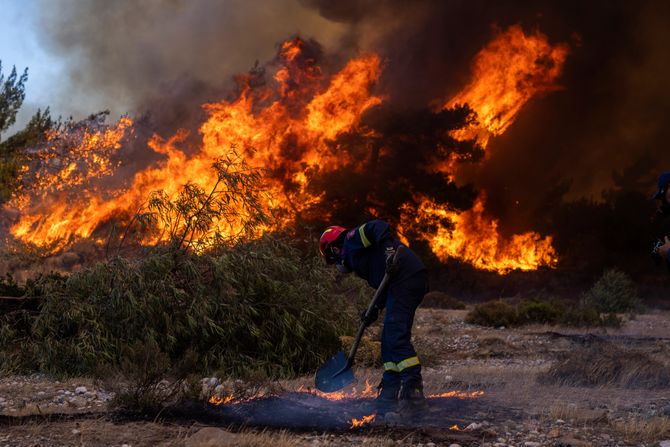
(367, 392)
(216, 400)
(455, 427)
(458, 394)
(357, 423)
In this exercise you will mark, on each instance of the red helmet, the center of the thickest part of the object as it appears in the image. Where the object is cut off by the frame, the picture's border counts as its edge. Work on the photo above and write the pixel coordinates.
(326, 241)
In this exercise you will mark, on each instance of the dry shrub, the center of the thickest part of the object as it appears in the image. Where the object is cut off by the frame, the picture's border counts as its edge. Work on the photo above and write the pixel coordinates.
(440, 300)
(369, 351)
(493, 313)
(499, 313)
(644, 429)
(605, 364)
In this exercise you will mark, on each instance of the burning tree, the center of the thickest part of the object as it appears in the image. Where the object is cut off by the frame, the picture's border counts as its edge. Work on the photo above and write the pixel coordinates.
(331, 146)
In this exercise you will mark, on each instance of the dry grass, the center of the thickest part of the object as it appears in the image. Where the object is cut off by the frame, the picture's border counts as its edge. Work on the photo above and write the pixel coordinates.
(606, 364)
(644, 429)
(573, 413)
(267, 439)
(369, 350)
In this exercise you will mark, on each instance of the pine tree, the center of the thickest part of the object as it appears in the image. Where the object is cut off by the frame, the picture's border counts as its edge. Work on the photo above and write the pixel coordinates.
(12, 150)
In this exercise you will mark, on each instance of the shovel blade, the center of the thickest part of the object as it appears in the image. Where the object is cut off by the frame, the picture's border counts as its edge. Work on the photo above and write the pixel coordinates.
(334, 375)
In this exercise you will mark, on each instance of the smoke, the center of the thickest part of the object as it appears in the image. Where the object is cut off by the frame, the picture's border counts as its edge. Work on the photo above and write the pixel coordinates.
(169, 56)
(607, 127)
(127, 56)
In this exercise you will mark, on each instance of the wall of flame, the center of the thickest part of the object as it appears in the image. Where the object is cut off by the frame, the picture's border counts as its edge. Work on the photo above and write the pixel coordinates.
(284, 127)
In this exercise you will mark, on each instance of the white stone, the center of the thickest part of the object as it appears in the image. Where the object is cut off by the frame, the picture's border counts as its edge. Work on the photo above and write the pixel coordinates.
(75, 431)
(80, 390)
(454, 445)
(664, 443)
(219, 390)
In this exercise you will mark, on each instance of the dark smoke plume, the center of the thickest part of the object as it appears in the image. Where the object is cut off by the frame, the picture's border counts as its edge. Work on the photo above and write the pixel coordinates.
(176, 54)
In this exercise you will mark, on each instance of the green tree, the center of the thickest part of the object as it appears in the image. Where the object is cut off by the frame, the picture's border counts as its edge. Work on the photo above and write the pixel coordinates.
(12, 150)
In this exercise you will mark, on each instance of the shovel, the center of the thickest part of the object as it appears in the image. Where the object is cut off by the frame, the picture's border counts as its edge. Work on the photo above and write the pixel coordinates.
(336, 373)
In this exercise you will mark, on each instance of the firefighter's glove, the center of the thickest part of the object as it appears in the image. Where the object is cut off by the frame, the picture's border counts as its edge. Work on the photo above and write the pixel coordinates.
(391, 264)
(371, 317)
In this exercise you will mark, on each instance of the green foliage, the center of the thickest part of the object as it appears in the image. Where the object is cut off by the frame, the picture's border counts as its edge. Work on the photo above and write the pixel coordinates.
(253, 306)
(9, 287)
(441, 300)
(12, 94)
(493, 313)
(543, 312)
(197, 219)
(613, 292)
(538, 311)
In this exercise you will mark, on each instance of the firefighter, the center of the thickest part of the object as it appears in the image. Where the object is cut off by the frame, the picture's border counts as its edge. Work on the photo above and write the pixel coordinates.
(663, 195)
(369, 251)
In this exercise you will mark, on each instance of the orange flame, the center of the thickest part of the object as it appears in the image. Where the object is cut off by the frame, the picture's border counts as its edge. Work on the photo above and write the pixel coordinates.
(475, 239)
(264, 135)
(224, 400)
(507, 73)
(458, 394)
(513, 68)
(354, 393)
(356, 423)
(284, 128)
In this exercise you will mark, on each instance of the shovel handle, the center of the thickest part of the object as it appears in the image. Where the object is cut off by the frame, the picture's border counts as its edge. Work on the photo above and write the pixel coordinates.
(373, 303)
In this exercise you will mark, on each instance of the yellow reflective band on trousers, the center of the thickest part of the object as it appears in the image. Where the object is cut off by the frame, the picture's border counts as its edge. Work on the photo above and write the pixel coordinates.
(364, 239)
(397, 367)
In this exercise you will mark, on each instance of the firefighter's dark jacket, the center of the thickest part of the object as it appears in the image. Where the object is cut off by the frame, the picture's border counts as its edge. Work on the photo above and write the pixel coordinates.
(364, 253)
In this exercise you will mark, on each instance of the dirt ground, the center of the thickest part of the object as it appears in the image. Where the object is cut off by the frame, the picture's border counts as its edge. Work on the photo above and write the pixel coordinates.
(517, 408)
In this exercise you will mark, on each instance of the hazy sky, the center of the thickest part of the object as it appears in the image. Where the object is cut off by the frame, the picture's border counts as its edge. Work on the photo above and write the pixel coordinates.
(20, 47)
(87, 56)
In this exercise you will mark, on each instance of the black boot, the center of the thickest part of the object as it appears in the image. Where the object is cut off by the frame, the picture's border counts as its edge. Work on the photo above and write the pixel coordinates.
(387, 397)
(412, 402)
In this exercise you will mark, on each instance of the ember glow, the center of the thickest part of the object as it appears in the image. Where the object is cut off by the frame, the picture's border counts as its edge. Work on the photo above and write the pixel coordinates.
(286, 127)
